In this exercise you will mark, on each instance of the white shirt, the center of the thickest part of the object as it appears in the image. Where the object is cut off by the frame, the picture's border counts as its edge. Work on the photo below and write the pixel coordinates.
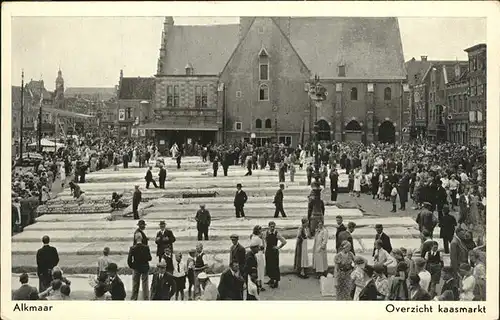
(425, 279)
(179, 268)
(464, 177)
(453, 184)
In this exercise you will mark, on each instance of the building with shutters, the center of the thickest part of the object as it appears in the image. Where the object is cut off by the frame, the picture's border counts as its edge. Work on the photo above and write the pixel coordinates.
(250, 80)
(477, 91)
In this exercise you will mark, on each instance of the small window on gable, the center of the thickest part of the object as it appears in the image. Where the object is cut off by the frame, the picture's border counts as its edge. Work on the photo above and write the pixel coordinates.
(263, 53)
(258, 124)
(387, 94)
(263, 92)
(238, 94)
(237, 126)
(354, 94)
(268, 124)
(263, 71)
(341, 71)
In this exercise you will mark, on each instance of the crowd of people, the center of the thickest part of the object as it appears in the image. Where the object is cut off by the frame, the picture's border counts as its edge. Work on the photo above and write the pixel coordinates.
(438, 178)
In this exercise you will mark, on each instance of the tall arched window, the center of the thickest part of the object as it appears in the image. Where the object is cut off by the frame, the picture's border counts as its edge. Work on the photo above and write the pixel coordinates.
(354, 94)
(387, 94)
(258, 124)
(268, 123)
(263, 92)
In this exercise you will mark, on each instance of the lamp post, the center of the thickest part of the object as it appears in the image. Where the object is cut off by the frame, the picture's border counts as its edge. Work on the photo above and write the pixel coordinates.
(317, 93)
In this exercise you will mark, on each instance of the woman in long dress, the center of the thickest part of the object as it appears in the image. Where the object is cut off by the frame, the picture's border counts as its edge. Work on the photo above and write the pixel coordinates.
(174, 150)
(62, 173)
(474, 209)
(261, 260)
(343, 268)
(320, 261)
(301, 261)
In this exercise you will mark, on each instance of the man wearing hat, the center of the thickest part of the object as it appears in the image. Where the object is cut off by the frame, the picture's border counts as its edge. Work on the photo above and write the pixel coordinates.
(115, 286)
(138, 260)
(426, 219)
(240, 199)
(139, 234)
(149, 178)
(210, 291)
(162, 176)
(237, 252)
(164, 239)
(416, 292)
(163, 285)
(136, 200)
(278, 202)
(203, 220)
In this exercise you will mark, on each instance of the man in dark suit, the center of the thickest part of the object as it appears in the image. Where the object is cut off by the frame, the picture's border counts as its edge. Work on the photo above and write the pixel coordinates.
(149, 178)
(24, 292)
(139, 234)
(278, 202)
(163, 284)
(46, 259)
(447, 228)
(240, 199)
(416, 292)
(136, 200)
(125, 159)
(450, 282)
(231, 283)
(226, 161)
(203, 220)
(386, 240)
(334, 184)
(441, 199)
(164, 239)
(340, 227)
(426, 219)
(138, 260)
(347, 235)
(237, 253)
(375, 180)
(369, 292)
(162, 176)
(115, 286)
(403, 189)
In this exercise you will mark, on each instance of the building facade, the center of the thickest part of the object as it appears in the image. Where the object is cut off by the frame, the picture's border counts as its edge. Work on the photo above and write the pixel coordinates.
(250, 81)
(135, 99)
(477, 92)
(457, 118)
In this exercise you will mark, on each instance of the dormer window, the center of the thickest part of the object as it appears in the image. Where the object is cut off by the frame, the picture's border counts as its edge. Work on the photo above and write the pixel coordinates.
(189, 69)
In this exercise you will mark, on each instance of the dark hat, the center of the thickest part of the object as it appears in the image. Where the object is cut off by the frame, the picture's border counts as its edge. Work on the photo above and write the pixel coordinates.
(234, 236)
(162, 223)
(379, 225)
(369, 270)
(112, 267)
(141, 223)
(238, 185)
(427, 204)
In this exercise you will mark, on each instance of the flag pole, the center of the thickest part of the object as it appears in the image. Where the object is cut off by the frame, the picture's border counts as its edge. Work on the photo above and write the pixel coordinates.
(40, 122)
(22, 116)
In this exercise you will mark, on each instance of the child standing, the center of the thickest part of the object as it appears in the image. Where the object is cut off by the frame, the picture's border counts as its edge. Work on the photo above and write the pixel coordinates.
(394, 195)
(434, 266)
(190, 272)
(102, 264)
(167, 256)
(179, 276)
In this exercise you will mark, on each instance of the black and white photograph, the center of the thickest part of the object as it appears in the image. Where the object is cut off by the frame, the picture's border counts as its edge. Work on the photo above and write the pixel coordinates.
(271, 157)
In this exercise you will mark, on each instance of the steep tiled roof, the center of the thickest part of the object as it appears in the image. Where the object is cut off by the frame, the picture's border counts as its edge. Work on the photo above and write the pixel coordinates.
(206, 48)
(415, 69)
(35, 87)
(368, 47)
(102, 93)
(137, 88)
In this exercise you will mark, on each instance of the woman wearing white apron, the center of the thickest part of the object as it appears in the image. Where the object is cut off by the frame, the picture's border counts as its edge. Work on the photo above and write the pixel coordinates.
(62, 173)
(261, 260)
(134, 155)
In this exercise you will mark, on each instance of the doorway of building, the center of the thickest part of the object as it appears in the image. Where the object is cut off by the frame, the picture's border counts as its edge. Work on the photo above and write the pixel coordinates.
(323, 130)
(387, 133)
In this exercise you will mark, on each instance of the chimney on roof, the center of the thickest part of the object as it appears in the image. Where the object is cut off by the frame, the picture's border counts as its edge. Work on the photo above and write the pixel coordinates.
(423, 58)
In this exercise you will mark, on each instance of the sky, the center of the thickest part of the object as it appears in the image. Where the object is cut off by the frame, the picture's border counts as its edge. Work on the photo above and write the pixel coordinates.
(91, 50)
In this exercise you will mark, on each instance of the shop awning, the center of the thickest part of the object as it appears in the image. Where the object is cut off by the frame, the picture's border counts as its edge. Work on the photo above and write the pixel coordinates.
(174, 127)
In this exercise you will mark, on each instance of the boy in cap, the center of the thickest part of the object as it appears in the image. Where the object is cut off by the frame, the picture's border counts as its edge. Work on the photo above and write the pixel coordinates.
(179, 276)
(163, 285)
(139, 235)
(450, 283)
(164, 239)
(210, 291)
(237, 252)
